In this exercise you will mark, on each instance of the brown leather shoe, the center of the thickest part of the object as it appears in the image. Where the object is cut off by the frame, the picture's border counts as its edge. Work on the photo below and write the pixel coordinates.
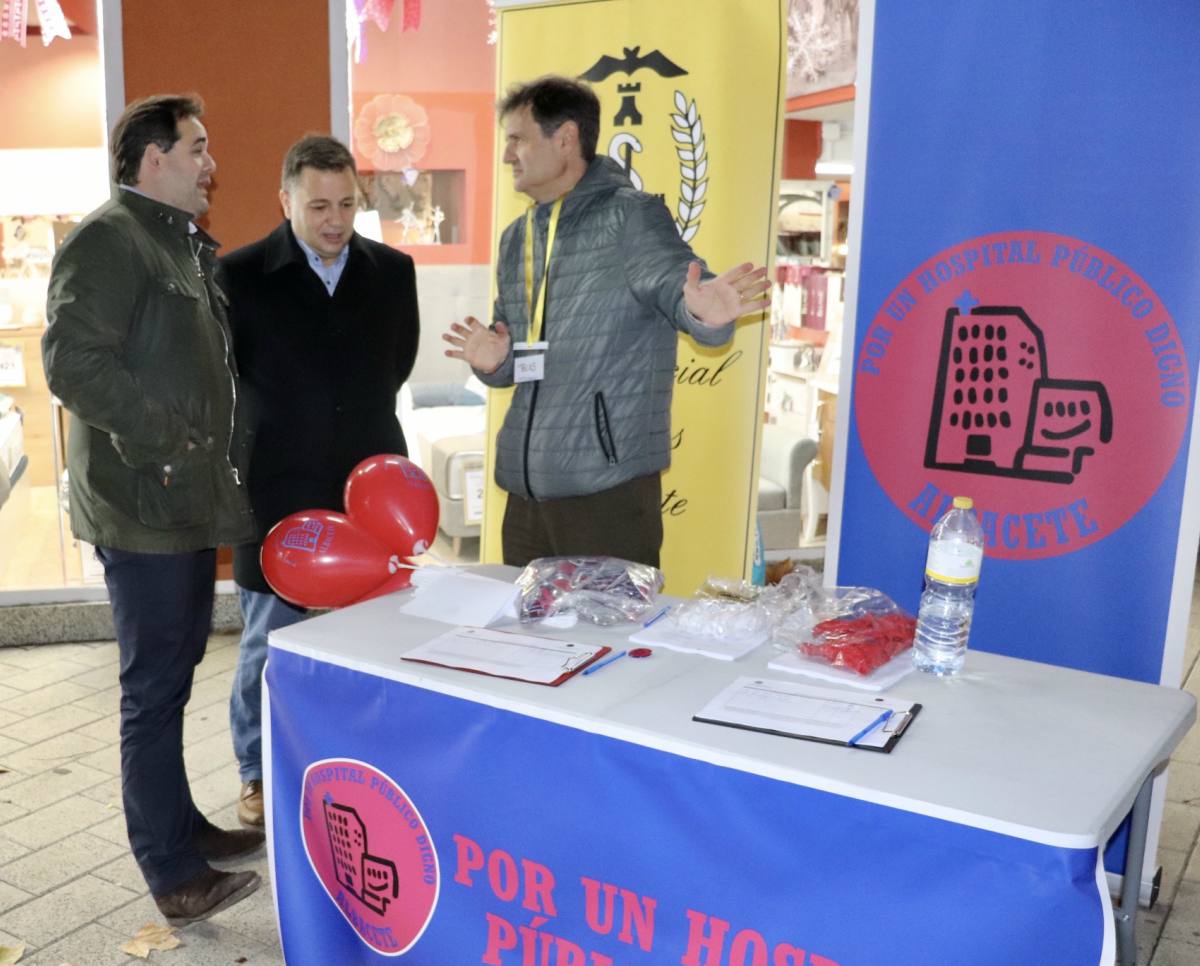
(250, 805)
(221, 845)
(204, 894)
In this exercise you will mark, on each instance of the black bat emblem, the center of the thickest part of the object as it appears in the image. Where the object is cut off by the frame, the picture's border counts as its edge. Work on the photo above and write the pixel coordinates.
(606, 66)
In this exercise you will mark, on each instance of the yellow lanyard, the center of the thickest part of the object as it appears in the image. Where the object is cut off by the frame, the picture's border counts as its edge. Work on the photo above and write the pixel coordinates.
(537, 313)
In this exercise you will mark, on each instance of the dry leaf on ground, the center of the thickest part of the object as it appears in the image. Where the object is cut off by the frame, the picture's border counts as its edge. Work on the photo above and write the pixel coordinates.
(11, 954)
(149, 938)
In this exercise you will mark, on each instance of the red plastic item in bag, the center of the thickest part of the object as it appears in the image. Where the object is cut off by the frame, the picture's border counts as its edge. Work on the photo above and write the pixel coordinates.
(861, 644)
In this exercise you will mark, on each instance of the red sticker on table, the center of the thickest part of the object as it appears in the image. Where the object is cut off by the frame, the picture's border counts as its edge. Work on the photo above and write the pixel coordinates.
(640, 652)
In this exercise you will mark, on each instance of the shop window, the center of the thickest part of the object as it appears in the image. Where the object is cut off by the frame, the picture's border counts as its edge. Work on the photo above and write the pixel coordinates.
(422, 124)
(53, 169)
(417, 207)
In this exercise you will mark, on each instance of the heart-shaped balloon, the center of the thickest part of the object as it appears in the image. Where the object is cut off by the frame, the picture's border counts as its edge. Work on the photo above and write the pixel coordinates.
(391, 497)
(319, 558)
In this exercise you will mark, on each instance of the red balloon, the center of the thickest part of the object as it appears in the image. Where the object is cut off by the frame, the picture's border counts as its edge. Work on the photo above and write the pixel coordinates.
(392, 497)
(400, 580)
(318, 558)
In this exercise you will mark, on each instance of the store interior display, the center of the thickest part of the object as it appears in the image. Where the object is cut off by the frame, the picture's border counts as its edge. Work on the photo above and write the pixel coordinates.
(53, 168)
(807, 308)
(416, 207)
(809, 260)
(12, 444)
(786, 456)
(806, 219)
(32, 425)
(445, 425)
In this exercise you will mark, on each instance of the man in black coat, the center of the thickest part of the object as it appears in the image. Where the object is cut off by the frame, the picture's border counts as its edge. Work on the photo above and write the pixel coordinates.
(325, 332)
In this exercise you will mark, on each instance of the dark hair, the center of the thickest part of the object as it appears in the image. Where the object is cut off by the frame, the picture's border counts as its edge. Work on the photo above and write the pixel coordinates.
(318, 151)
(152, 120)
(554, 100)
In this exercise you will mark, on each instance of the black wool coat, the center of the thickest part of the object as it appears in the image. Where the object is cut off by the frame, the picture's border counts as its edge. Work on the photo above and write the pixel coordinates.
(318, 374)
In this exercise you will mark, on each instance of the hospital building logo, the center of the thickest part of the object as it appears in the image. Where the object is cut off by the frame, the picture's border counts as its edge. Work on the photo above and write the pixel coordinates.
(1037, 374)
(304, 537)
(371, 851)
(996, 410)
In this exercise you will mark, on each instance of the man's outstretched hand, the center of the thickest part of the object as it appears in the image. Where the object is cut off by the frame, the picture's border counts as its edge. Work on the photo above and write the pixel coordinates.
(481, 348)
(742, 290)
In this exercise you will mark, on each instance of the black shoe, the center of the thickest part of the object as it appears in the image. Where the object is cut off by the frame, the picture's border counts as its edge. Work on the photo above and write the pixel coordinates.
(221, 845)
(204, 894)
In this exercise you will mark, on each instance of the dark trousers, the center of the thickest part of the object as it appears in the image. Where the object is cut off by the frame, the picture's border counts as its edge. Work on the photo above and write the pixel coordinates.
(162, 608)
(625, 522)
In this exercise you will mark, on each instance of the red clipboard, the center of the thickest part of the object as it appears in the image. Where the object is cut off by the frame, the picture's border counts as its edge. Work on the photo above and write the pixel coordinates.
(567, 673)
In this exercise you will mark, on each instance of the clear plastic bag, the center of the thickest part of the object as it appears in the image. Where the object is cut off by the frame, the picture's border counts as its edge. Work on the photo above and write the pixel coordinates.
(720, 617)
(600, 590)
(856, 628)
(735, 609)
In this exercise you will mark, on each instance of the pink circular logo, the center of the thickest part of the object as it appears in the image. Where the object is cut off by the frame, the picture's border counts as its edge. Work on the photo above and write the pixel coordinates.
(1036, 374)
(370, 848)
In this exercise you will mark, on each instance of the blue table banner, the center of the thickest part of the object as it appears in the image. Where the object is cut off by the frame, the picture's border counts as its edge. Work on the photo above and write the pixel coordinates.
(406, 822)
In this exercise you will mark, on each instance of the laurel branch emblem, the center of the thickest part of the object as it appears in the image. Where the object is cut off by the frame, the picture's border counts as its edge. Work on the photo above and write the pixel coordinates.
(688, 133)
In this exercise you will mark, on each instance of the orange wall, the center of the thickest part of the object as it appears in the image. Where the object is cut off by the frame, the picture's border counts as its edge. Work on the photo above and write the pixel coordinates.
(64, 82)
(801, 148)
(263, 71)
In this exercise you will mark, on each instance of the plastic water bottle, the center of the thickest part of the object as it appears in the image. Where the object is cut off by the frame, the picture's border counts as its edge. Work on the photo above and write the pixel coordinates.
(951, 576)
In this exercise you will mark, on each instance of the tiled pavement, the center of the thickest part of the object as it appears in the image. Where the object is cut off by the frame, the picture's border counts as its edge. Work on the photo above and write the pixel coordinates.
(69, 888)
(71, 893)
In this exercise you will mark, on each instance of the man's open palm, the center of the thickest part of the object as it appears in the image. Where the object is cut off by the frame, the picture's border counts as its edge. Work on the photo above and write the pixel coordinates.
(716, 301)
(477, 345)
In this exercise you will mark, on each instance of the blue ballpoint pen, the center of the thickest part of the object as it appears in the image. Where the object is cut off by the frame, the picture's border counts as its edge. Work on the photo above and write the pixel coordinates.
(868, 729)
(607, 660)
(660, 614)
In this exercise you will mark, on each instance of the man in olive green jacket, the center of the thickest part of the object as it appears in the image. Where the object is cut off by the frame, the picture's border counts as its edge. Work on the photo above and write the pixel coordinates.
(138, 349)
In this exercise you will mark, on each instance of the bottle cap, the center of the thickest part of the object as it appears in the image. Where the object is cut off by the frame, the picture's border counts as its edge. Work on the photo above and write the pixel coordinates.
(963, 503)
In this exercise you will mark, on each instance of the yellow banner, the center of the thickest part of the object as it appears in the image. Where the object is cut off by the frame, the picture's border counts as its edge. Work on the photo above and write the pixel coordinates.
(692, 99)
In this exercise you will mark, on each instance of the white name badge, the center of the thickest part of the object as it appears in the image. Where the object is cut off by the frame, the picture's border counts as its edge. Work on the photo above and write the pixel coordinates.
(529, 361)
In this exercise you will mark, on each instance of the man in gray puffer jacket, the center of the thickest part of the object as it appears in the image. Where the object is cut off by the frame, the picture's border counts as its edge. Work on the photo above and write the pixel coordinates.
(592, 353)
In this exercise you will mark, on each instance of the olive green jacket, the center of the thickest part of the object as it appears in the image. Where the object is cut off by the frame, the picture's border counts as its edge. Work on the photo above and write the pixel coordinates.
(138, 350)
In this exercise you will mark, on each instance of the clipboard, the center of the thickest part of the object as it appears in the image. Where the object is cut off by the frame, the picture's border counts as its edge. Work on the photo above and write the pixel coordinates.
(501, 654)
(825, 715)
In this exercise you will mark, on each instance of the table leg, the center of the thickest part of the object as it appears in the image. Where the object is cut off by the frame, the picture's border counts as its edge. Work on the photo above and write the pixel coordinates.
(1131, 881)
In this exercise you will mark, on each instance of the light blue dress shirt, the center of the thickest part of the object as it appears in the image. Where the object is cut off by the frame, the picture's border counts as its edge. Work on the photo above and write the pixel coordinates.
(328, 274)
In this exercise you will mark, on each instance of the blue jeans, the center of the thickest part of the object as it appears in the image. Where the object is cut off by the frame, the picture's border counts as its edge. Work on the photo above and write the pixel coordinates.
(162, 611)
(261, 614)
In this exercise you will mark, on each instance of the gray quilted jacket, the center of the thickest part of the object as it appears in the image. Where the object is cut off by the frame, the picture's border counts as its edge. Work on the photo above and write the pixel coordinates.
(601, 416)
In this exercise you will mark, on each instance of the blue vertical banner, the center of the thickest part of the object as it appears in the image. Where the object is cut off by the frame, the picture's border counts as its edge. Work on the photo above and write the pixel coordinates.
(1028, 317)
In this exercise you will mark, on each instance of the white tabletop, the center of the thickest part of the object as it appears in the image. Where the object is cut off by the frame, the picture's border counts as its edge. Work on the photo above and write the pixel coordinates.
(1048, 754)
